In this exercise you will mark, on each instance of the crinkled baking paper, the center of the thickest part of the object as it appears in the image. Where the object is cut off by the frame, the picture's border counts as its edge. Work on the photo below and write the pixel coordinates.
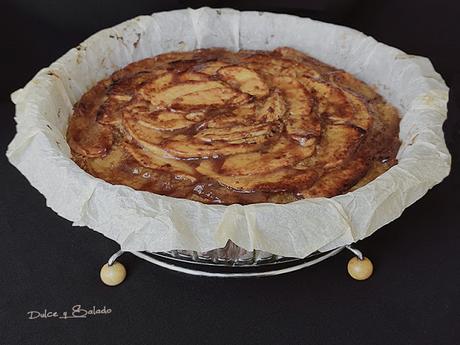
(146, 221)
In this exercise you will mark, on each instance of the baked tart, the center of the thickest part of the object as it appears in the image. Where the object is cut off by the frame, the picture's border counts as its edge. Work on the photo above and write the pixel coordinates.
(226, 127)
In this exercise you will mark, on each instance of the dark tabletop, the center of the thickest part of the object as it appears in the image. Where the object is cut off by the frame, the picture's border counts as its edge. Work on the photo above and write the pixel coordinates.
(45, 263)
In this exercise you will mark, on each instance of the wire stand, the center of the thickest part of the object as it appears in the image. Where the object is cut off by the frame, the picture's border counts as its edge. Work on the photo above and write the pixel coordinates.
(359, 267)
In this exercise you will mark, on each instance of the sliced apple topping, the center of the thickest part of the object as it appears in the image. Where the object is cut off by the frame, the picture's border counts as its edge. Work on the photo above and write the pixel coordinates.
(239, 134)
(338, 143)
(301, 122)
(210, 67)
(279, 180)
(244, 79)
(152, 160)
(88, 137)
(206, 97)
(283, 154)
(220, 126)
(337, 105)
(184, 148)
(272, 109)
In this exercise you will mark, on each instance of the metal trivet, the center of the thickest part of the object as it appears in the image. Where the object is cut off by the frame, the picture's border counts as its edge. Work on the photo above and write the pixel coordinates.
(232, 262)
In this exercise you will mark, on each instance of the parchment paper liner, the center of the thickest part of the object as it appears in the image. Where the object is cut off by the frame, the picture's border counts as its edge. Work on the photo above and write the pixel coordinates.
(146, 221)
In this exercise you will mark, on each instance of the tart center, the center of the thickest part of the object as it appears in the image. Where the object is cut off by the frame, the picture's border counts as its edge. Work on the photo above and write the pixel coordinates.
(234, 127)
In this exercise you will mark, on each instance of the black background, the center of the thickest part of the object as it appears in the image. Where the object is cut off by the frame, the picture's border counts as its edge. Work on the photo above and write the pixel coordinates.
(45, 263)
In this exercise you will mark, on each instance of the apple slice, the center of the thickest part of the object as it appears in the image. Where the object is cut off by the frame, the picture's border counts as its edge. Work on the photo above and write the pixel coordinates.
(152, 160)
(244, 79)
(282, 154)
(239, 134)
(276, 181)
(301, 122)
(339, 106)
(337, 181)
(88, 137)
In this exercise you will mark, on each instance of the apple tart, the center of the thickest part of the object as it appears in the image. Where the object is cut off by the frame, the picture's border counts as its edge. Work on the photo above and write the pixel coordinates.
(234, 127)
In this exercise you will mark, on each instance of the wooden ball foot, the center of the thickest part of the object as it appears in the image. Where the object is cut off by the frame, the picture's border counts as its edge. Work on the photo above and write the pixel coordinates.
(360, 269)
(113, 274)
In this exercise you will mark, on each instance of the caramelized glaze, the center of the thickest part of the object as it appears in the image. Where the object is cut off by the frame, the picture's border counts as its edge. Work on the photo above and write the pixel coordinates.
(223, 127)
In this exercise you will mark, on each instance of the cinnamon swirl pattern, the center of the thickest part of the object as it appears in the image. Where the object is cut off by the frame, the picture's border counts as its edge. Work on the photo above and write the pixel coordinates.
(234, 127)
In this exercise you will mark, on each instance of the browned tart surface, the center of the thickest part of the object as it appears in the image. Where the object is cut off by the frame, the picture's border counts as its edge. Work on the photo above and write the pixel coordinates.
(224, 127)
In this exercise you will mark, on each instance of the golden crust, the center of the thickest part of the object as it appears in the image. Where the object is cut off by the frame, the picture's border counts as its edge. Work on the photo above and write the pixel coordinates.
(223, 127)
